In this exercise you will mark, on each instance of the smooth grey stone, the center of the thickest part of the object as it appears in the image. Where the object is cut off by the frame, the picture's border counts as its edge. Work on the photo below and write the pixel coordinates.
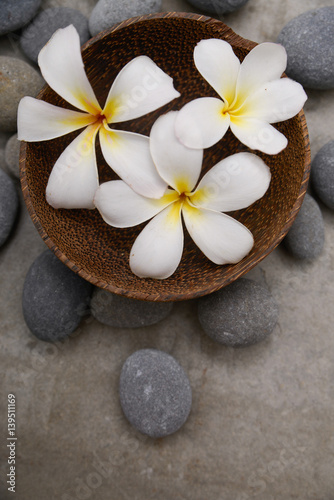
(3, 141)
(240, 314)
(4, 137)
(322, 174)
(39, 32)
(218, 6)
(305, 240)
(309, 42)
(155, 393)
(123, 312)
(109, 12)
(16, 13)
(54, 298)
(12, 155)
(9, 203)
(17, 79)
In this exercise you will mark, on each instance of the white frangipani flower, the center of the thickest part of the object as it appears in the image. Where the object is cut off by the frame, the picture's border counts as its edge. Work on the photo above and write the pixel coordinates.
(234, 183)
(253, 95)
(139, 88)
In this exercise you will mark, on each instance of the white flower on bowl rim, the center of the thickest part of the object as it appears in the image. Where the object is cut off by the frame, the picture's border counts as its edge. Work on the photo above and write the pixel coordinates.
(140, 87)
(252, 96)
(234, 183)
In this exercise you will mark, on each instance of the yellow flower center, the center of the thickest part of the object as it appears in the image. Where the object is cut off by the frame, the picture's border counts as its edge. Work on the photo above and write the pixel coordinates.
(180, 196)
(184, 198)
(234, 109)
(101, 118)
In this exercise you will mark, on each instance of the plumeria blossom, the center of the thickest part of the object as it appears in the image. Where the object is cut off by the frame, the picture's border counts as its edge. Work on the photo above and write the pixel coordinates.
(233, 183)
(139, 88)
(252, 96)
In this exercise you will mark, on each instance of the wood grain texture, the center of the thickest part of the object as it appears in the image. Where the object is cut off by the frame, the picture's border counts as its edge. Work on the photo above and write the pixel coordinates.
(100, 253)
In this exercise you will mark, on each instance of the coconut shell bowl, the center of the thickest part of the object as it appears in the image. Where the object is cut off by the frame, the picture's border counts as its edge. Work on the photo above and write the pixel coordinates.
(100, 253)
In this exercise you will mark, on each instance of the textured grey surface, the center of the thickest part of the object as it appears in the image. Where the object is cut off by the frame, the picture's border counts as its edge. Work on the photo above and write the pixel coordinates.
(262, 417)
(17, 79)
(84, 6)
(54, 299)
(12, 155)
(309, 42)
(122, 312)
(40, 30)
(9, 202)
(155, 393)
(109, 12)
(305, 240)
(240, 314)
(16, 13)
(218, 6)
(322, 174)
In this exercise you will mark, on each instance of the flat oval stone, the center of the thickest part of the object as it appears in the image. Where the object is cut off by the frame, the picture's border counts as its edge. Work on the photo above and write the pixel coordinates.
(305, 240)
(39, 32)
(123, 312)
(218, 6)
(16, 13)
(240, 314)
(108, 12)
(54, 298)
(155, 393)
(309, 42)
(12, 155)
(9, 204)
(322, 174)
(17, 79)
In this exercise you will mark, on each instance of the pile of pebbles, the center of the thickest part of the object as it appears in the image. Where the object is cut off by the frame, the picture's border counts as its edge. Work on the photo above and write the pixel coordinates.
(155, 392)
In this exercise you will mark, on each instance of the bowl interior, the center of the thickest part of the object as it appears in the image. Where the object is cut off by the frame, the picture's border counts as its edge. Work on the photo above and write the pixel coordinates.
(98, 252)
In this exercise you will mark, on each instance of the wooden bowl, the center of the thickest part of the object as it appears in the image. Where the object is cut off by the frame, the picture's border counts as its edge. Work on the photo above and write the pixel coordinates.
(100, 253)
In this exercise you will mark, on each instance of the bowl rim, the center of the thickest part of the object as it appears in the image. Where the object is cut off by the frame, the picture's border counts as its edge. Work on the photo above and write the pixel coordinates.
(168, 296)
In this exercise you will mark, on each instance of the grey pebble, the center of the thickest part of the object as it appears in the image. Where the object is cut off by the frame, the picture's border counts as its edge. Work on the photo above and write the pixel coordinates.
(16, 13)
(309, 42)
(322, 174)
(155, 393)
(17, 79)
(305, 240)
(123, 312)
(4, 137)
(54, 298)
(108, 12)
(240, 314)
(218, 6)
(9, 203)
(39, 32)
(12, 155)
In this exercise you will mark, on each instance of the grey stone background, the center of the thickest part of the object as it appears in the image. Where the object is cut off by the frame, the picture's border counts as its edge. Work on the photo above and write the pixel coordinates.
(262, 420)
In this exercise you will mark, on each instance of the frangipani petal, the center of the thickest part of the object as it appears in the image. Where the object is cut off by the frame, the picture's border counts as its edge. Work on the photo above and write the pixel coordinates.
(40, 121)
(74, 177)
(218, 64)
(120, 206)
(128, 154)
(178, 165)
(157, 251)
(234, 183)
(257, 134)
(201, 123)
(265, 63)
(62, 67)
(222, 239)
(275, 101)
(139, 88)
